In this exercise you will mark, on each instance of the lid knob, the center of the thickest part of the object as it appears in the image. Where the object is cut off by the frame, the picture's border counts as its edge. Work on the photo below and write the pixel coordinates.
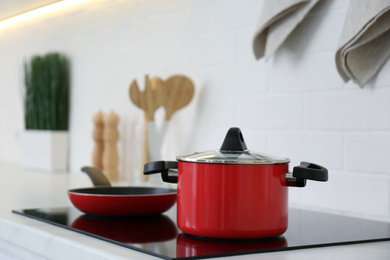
(234, 141)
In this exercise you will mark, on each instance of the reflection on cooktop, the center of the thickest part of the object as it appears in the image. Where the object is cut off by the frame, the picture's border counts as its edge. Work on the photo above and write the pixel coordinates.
(159, 236)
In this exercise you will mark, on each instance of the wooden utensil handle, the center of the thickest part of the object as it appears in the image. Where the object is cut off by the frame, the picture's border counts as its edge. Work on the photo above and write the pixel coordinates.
(145, 149)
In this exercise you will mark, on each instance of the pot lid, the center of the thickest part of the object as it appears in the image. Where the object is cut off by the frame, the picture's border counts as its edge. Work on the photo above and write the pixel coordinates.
(233, 151)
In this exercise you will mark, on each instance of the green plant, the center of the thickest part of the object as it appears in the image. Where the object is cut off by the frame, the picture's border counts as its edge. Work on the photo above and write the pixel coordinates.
(46, 96)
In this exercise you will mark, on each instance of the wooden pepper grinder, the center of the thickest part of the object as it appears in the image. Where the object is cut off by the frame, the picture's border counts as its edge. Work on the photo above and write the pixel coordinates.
(97, 135)
(110, 153)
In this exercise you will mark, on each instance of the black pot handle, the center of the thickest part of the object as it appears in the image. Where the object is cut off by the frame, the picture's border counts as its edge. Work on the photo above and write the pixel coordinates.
(306, 171)
(168, 170)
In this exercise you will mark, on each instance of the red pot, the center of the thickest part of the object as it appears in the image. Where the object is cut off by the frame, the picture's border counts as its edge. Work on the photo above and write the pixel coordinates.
(234, 193)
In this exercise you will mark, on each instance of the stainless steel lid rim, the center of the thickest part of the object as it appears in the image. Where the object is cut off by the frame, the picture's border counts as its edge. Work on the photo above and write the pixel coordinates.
(246, 157)
(235, 163)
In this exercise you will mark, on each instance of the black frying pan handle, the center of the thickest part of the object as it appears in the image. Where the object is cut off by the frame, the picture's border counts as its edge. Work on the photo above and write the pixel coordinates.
(96, 176)
(168, 170)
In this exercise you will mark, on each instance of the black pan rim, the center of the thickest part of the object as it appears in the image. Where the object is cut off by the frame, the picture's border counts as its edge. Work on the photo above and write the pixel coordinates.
(85, 191)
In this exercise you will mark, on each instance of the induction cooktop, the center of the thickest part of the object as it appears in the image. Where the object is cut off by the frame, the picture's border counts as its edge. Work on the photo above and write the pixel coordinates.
(159, 236)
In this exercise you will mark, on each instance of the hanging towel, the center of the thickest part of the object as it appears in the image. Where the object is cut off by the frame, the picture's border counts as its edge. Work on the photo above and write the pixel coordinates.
(276, 22)
(364, 41)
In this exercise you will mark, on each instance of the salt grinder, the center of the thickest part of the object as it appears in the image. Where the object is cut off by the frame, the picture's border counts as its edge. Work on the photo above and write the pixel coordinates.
(97, 135)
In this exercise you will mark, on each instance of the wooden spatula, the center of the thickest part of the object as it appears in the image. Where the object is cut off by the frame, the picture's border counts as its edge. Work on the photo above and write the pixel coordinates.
(151, 95)
(137, 97)
(149, 102)
(135, 94)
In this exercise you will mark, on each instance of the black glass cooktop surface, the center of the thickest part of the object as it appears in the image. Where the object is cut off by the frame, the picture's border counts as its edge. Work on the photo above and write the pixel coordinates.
(159, 236)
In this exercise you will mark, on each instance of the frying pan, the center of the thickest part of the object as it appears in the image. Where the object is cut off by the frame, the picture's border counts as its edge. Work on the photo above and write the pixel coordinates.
(104, 200)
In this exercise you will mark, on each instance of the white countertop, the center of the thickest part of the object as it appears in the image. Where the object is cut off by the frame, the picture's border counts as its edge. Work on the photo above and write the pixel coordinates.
(25, 238)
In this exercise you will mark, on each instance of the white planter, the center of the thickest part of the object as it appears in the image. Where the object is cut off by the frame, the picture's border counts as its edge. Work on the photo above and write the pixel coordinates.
(45, 150)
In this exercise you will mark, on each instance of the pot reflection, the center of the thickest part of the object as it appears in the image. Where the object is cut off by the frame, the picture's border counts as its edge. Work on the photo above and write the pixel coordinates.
(129, 230)
(188, 246)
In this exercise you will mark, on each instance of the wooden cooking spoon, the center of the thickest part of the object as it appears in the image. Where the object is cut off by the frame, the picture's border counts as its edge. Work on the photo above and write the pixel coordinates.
(178, 92)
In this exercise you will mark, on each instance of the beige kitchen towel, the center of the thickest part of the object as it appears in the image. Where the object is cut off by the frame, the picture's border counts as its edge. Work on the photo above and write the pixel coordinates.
(364, 41)
(278, 18)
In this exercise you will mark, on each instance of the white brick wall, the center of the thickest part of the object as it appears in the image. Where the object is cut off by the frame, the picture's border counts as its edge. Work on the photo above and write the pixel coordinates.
(348, 110)
(293, 105)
